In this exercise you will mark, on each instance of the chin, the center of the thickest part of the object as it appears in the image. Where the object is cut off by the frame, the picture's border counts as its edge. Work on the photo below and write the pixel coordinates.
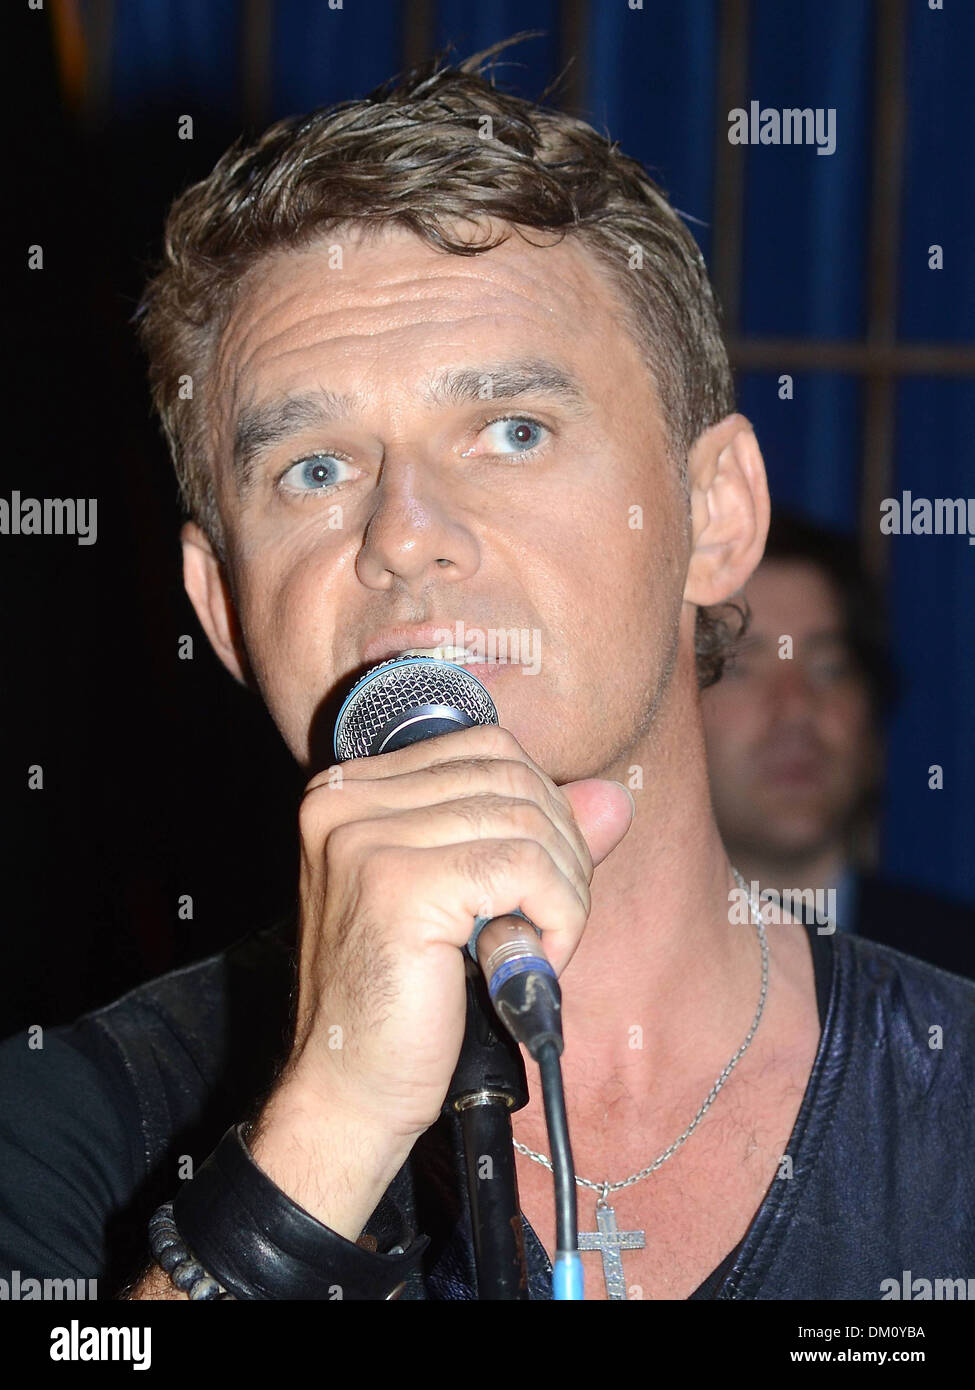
(807, 840)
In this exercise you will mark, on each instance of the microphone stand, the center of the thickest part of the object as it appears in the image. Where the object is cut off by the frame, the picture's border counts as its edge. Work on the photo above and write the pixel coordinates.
(488, 1085)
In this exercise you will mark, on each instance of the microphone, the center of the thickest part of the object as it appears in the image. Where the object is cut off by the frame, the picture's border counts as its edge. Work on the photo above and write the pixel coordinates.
(406, 699)
(402, 701)
(399, 702)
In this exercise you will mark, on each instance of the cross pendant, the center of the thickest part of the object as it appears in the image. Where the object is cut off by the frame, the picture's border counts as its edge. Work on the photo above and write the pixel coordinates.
(609, 1241)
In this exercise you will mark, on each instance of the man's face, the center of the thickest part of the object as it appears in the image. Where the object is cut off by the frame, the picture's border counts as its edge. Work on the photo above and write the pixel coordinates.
(378, 482)
(790, 741)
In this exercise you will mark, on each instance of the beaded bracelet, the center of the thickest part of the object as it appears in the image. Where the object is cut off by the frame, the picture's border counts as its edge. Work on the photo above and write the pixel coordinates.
(172, 1254)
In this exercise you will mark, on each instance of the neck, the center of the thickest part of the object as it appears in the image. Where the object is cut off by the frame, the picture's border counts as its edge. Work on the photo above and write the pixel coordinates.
(659, 965)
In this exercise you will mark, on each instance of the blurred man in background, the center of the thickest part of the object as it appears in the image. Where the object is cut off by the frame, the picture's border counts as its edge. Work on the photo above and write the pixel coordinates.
(795, 748)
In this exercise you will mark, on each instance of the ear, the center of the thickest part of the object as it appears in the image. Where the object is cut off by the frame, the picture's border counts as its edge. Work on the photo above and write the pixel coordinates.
(206, 584)
(729, 510)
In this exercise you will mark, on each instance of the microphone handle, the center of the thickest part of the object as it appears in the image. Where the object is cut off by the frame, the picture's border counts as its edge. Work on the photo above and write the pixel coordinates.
(488, 1084)
(521, 982)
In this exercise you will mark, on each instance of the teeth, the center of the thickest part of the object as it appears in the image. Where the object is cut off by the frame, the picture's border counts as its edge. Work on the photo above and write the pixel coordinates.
(456, 654)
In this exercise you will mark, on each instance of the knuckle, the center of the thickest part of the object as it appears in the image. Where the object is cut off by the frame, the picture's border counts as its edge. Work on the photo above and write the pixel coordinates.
(488, 860)
(528, 816)
(386, 860)
(315, 782)
(533, 856)
(325, 804)
(320, 779)
(344, 841)
(495, 741)
(483, 864)
(490, 808)
(474, 811)
(312, 821)
(492, 811)
(518, 780)
(336, 774)
(459, 771)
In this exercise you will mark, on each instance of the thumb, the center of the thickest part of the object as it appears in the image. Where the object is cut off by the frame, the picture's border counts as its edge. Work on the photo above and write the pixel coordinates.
(603, 811)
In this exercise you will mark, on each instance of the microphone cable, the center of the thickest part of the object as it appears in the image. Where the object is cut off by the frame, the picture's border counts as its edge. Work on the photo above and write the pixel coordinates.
(567, 1280)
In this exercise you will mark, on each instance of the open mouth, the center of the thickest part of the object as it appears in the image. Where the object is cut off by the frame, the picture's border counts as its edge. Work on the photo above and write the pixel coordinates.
(459, 656)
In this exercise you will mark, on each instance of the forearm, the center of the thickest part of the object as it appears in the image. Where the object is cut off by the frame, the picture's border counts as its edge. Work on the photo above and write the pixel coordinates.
(155, 1283)
(334, 1169)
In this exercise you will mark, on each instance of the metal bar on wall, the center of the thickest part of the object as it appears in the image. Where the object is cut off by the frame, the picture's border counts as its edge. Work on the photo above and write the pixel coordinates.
(257, 27)
(867, 358)
(729, 162)
(417, 34)
(573, 55)
(876, 478)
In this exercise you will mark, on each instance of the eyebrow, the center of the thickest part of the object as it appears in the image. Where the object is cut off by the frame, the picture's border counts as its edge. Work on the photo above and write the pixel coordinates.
(261, 426)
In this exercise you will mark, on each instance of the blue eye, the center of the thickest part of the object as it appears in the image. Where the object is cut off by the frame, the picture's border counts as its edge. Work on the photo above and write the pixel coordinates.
(516, 434)
(317, 473)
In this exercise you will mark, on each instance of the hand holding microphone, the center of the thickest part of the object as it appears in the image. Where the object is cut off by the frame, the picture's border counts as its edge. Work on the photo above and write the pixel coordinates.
(397, 860)
(408, 700)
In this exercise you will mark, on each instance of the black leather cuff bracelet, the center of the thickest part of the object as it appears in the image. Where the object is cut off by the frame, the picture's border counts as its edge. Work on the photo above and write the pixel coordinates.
(259, 1244)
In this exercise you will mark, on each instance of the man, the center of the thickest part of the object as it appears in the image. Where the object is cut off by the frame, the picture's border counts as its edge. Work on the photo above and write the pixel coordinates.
(794, 736)
(456, 360)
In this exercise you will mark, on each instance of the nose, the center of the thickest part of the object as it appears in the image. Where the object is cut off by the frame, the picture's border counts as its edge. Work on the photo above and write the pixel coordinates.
(792, 694)
(412, 533)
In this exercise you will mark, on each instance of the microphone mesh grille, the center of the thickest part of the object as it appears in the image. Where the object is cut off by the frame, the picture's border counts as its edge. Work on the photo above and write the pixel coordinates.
(421, 680)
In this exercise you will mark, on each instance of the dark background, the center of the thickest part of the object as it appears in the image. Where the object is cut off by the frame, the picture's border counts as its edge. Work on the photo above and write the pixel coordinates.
(161, 776)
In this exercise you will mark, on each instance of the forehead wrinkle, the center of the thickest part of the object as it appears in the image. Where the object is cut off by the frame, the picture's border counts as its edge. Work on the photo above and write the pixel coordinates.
(388, 290)
(233, 365)
(253, 315)
(496, 290)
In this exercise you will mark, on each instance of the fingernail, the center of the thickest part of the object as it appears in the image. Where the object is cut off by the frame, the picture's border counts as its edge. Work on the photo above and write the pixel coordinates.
(629, 794)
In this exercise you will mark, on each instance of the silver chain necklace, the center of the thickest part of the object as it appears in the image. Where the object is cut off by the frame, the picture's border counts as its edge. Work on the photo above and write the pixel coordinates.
(607, 1239)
